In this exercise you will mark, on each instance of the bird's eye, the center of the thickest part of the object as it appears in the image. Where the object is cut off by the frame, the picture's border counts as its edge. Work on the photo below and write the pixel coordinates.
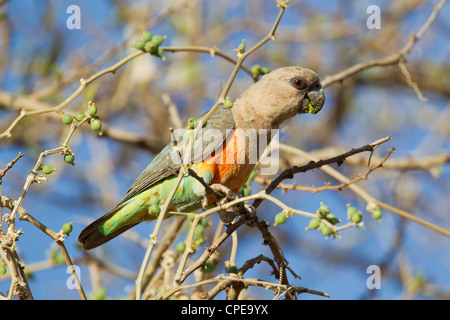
(298, 83)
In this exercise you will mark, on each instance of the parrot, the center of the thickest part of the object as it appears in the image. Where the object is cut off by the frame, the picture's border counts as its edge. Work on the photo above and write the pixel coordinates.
(265, 105)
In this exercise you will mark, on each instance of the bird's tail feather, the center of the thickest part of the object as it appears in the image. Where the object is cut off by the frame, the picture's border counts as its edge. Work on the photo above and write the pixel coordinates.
(93, 235)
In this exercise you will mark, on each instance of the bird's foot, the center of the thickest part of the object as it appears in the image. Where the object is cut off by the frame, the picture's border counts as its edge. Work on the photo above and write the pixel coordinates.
(222, 195)
(249, 215)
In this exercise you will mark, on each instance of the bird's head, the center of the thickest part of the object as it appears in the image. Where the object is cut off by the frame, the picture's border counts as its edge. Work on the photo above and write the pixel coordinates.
(279, 96)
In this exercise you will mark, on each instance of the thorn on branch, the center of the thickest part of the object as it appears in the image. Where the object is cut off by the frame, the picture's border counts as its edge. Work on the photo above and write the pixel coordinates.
(10, 165)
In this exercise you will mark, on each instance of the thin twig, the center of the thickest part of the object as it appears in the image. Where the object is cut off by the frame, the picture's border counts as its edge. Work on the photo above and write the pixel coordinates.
(33, 175)
(56, 236)
(370, 200)
(31, 106)
(289, 173)
(10, 165)
(327, 186)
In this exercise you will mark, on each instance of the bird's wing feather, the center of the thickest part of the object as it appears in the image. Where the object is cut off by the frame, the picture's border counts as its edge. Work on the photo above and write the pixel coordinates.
(162, 165)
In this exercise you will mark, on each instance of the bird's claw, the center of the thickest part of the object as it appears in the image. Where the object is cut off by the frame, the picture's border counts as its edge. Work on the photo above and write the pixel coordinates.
(222, 195)
(249, 215)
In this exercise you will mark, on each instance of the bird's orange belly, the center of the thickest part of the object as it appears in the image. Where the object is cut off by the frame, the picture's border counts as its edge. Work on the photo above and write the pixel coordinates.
(231, 166)
(232, 176)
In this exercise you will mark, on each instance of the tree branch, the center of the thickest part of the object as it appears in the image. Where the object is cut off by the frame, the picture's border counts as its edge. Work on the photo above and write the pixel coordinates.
(391, 59)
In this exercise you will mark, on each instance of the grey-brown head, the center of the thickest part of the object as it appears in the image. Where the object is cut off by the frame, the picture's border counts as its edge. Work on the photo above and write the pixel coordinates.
(279, 96)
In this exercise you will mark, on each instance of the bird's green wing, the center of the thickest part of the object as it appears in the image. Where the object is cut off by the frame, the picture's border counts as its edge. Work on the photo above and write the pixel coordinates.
(163, 166)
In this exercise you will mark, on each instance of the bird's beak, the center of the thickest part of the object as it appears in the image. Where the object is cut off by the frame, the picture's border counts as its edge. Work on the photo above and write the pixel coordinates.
(313, 102)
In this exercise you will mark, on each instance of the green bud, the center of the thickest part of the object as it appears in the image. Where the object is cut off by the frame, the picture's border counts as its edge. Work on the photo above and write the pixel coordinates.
(96, 125)
(265, 70)
(29, 275)
(150, 47)
(280, 218)
(2, 270)
(67, 118)
(198, 232)
(326, 230)
(419, 280)
(313, 224)
(231, 269)
(198, 242)
(253, 175)
(191, 124)
(146, 36)
(209, 267)
(160, 53)
(321, 214)
(351, 211)
(323, 211)
(246, 192)
(56, 257)
(377, 214)
(139, 44)
(69, 158)
(241, 48)
(98, 294)
(331, 218)
(47, 169)
(92, 110)
(256, 70)
(325, 208)
(180, 247)
(353, 214)
(67, 228)
(79, 116)
(154, 209)
(203, 222)
(157, 40)
(356, 217)
(227, 103)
